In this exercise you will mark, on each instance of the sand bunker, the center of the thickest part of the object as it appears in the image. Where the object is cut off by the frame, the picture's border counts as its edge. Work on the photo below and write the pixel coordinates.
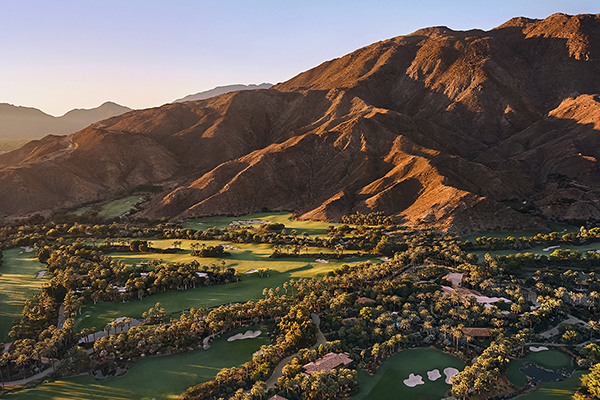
(450, 372)
(414, 380)
(41, 274)
(434, 375)
(248, 335)
(251, 271)
(536, 349)
(27, 249)
(385, 259)
(228, 247)
(254, 221)
(320, 260)
(550, 248)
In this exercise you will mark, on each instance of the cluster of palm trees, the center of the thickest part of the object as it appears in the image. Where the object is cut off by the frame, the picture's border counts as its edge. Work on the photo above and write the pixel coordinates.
(488, 368)
(30, 355)
(541, 239)
(371, 219)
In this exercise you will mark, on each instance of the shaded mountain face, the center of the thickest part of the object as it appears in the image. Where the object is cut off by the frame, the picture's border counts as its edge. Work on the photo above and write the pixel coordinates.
(439, 127)
(221, 90)
(30, 123)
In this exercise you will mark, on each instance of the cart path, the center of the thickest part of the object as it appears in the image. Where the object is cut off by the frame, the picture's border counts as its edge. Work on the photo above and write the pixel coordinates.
(277, 373)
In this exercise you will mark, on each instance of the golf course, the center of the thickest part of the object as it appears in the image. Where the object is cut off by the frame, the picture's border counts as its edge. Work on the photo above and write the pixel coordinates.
(158, 377)
(246, 258)
(18, 283)
(389, 381)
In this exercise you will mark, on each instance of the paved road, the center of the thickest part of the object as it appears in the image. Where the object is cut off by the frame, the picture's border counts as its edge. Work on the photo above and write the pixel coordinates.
(570, 320)
(206, 341)
(39, 375)
(61, 316)
(97, 335)
(277, 373)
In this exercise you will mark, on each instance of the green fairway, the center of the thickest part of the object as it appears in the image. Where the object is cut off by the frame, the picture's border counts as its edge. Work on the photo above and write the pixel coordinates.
(119, 207)
(249, 287)
(549, 359)
(244, 257)
(559, 227)
(82, 210)
(161, 377)
(18, 283)
(539, 250)
(388, 383)
(562, 390)
(312, 228)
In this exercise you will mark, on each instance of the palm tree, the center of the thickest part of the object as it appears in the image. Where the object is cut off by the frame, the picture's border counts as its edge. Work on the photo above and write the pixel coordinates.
(457, 333)
(21, 361)
(427, 325)
(258, 390)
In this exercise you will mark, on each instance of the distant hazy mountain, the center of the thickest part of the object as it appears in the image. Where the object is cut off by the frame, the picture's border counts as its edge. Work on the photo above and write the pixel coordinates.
(221, 90)
(30, 123)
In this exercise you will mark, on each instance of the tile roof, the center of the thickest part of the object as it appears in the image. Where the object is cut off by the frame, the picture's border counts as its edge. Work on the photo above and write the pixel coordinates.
(477, 332)
(328, 362)
(364, 300)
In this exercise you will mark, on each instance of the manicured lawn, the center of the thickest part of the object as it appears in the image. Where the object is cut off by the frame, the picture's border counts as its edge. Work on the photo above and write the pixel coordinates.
(160, 377)
(562, 390)
(18, 283)
(247, 257)
(82, 210)
(312, 228)
(549, 359)
(119, 207)
(388, 383)
(559, 227)
(249, 287)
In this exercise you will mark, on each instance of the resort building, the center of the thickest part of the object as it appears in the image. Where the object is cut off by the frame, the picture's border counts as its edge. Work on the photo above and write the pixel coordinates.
(328, 362)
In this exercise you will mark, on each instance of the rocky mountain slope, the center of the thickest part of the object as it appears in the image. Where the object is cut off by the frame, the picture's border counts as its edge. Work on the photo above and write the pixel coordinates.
(440, 127)
(30, 123)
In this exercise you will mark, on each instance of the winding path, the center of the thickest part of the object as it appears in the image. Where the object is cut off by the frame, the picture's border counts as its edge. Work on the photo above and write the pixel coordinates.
(277, 372)
(25, 381)
(570, 320)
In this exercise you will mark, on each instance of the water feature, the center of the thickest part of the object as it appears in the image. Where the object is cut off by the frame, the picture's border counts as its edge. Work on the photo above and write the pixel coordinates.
(539, 374)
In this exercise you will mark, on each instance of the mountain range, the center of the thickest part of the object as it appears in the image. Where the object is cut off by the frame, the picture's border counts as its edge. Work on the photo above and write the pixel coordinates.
(30, 123)
(457, 130)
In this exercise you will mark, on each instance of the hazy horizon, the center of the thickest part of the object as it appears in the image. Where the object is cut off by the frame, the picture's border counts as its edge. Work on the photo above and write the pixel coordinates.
(58, 56)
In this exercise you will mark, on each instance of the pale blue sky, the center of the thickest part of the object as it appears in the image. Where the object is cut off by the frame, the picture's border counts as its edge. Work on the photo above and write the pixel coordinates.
(57, 55)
